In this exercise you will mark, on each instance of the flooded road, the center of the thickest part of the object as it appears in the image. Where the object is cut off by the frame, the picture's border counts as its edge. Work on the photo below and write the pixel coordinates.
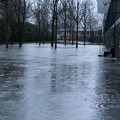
(41, 83)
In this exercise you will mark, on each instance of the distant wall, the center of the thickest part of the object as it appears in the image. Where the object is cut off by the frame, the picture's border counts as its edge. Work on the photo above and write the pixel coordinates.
(92, 40)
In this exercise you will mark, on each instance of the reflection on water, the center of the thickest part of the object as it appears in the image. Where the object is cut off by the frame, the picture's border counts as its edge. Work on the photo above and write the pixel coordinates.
(109, 89)
(41, 83)
(11, 88)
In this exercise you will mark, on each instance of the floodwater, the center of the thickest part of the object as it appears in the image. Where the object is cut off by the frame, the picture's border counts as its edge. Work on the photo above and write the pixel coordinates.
(43, 83)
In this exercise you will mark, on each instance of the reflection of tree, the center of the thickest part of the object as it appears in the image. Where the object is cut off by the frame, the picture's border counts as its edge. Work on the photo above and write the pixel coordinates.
(10, 87)
(63, 77)
(11, 70)
(53, 77)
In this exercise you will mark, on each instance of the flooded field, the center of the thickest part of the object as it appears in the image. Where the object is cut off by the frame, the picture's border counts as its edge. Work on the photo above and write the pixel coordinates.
(43, 83)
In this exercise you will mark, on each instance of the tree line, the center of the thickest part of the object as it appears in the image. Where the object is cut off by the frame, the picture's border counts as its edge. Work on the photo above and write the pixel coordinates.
(40, 20)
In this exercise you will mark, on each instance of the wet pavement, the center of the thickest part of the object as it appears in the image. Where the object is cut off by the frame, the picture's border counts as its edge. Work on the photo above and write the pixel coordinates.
(41, 83)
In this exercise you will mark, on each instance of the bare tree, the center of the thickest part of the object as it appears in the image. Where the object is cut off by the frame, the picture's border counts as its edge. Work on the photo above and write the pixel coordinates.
(45, 19)
(56, 23)
(37, 15)
(20, 10)
(54, 13)
(85, 17)
(75, 12)
(63, 15)
(5, 13)
(6, 20)
(88, 17)
(20, 14)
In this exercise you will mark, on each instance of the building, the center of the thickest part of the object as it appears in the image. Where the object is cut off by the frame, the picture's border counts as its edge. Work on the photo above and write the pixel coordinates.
(71, 35)
(111, 24)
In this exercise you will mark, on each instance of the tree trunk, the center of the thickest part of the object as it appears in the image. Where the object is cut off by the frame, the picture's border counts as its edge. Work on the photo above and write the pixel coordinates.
(53, 30)
(39, 35)
(12, 33)
(72, 37)
(77, 22)
(65, 26)
(56, 27)
(20, 38)
(6, 26)
(52, 38)
(77, 35)
(21, 23)
(65, 31)
(84, 32)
